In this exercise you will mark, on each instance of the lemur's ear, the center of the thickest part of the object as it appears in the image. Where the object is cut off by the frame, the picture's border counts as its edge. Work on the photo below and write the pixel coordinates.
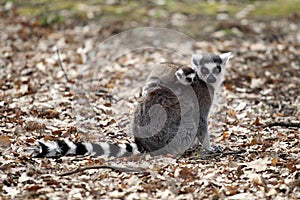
(225, 57)
(196, 59)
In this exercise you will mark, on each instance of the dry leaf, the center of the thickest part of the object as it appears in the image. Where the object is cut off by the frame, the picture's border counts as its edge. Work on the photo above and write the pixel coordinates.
(30, 140)
(49, 113)
(274, 161)
(291, 166)
(187, 173)
(57, 132)
(256, 122)
(229, 87)
(4, 141)
(49, 137)
(241, 106)
(239, 170)
(225, 135)
(253, 141)
(279, 114)
(33, 188)
(231, 113)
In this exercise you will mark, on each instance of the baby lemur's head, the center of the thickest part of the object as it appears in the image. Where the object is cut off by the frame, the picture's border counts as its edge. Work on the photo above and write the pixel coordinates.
(186, 75)
(210, 68)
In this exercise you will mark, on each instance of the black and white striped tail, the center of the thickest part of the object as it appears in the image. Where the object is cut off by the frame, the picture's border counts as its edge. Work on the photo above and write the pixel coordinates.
(64, 147)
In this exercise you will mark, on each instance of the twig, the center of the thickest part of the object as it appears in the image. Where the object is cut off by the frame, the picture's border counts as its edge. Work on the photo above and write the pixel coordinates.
(221, 154)
(60, 64)
(102, 93)
(283, 124)
(114, 168)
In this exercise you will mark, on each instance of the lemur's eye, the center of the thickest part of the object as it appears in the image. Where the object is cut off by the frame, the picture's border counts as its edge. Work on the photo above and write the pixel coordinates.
(188, 79)
(217, 70)
(204, 70)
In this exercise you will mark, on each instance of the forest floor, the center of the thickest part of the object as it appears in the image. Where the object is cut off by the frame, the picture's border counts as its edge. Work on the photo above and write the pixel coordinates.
(38, 100)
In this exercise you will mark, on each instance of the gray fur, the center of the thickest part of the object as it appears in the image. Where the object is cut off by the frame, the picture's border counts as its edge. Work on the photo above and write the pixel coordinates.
(97, 149)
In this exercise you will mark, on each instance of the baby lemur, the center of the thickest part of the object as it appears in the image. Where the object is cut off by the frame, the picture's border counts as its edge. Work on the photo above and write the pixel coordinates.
(171, 115)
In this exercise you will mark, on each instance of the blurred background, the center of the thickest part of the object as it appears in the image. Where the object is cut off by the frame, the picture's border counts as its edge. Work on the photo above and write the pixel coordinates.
(197, 18)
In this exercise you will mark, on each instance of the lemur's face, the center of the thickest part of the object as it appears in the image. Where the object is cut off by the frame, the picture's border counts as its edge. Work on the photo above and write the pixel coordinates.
(210, 68)
(186, 75)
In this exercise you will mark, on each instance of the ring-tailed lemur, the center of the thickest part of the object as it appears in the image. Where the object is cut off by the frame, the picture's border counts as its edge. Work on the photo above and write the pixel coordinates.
(172, 114)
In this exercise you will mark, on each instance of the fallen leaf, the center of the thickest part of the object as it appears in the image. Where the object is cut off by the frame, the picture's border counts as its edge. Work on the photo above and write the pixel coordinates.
(4, 139)
(253, 141)
(231, 190)
(241, 106)
(274, 161)
(279, 114)
(57, 132)
(33, 188)
(291, 166)
(239, 170)
(256, 122)
(187, 173)
(231, 113)
(229, 87)
(52, 182)
(30, 140)
(225, 135)
(49, 113)
(49, 137)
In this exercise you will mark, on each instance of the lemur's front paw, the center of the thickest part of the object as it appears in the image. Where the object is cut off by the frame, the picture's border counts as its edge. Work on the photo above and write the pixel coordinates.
(218, 149)
(215, 149)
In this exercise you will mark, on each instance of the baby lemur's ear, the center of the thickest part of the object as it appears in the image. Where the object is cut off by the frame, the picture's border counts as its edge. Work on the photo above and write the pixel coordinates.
(196, 58)
(225, 57)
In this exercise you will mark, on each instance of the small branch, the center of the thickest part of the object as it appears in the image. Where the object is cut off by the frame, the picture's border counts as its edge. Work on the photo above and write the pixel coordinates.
(102, 93)
(60, 64)
(222, 154)
(114, 168)
(283, 124)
